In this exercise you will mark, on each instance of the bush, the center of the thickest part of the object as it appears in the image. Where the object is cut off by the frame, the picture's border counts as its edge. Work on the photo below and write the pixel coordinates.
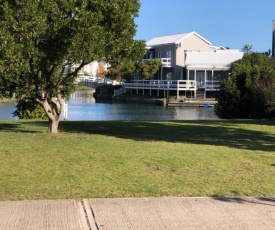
(249, 91)
(28, 109)
(107, 89)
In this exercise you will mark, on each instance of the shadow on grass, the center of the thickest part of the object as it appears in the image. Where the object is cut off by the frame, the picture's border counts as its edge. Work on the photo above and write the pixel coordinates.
(226, 133)
(218, 133)
(23, 126)
(270, 201)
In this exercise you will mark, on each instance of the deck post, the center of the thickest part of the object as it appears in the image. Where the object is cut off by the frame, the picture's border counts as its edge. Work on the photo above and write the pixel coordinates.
(178, 95)
(195, 77)
(65, 112)
(143, 87)
(212, 78)
(205, 73)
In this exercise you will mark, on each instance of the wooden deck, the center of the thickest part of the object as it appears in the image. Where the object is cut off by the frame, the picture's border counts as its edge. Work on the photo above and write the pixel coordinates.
(166, 86)
(162, 85)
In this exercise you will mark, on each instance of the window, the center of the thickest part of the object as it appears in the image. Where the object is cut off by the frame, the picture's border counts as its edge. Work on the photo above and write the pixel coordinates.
(169, 55)
(159, 54)
(150, 55)
(169, 76)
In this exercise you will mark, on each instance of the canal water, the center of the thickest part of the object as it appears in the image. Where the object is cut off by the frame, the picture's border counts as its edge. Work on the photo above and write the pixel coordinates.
(82, 106)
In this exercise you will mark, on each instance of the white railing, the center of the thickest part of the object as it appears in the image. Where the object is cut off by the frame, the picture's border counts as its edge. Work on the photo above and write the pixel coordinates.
(165, 62)
(120, 91)
(212, 85)
(179, 85)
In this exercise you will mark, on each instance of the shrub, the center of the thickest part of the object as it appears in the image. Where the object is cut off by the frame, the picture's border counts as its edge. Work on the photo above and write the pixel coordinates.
(249, 91)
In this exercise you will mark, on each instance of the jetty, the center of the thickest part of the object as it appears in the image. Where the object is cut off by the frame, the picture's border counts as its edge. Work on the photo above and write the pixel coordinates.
(192, 102)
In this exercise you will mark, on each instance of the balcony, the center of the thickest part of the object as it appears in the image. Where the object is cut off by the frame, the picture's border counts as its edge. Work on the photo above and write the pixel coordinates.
(166, 62)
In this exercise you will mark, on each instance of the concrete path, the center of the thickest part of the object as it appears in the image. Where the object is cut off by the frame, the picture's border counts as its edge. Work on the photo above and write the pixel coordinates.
(140, 213)
(42, 215)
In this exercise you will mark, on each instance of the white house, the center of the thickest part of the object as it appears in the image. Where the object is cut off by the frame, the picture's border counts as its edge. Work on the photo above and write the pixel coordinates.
(89, 71)
(208, 69)
(190, 63)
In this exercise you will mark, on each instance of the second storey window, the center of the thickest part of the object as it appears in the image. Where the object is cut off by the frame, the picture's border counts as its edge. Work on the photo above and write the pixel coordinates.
(169, 55)
(159, 54)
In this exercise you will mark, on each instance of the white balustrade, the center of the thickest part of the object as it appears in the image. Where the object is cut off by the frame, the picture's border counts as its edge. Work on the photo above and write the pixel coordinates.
(162, 84)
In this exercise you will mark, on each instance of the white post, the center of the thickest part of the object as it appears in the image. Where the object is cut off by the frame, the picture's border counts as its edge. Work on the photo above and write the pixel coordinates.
(195, 77)
(205, 73)
(212, 78)
(65, 113)
(143, 87)
(178, 93)
(205, 78)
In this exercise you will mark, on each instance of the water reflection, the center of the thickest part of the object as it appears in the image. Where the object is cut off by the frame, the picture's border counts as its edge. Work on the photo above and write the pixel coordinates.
(6, 110)
(83, 96)
(82, 106)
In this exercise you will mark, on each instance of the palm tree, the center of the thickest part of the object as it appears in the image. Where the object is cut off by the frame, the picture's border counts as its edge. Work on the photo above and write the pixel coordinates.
(247, 48)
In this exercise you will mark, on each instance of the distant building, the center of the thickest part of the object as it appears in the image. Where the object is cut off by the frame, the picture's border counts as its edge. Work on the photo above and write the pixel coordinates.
(273, 39)
(190, 64)
(171, 50)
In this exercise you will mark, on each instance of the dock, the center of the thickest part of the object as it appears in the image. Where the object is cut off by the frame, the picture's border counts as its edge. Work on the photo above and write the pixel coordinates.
(192, 102)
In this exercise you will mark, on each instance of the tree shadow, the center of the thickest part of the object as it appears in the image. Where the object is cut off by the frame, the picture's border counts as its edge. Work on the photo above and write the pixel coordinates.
(19, 126)
(217, 133)
(232, 134)
(270, 201)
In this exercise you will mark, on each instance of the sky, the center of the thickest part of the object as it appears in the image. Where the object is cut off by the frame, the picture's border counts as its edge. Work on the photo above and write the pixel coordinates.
(228, 23)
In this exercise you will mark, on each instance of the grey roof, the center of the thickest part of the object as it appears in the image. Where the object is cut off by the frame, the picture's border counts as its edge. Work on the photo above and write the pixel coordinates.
(172, 39)
(217, 59)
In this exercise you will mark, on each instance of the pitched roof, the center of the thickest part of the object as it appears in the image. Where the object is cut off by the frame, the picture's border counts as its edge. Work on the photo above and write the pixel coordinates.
(172, 39)
(217, 59)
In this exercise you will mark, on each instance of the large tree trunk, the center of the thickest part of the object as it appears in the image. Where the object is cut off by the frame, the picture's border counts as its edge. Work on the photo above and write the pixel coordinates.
(53, 115)
(53, 126)
(53, 107)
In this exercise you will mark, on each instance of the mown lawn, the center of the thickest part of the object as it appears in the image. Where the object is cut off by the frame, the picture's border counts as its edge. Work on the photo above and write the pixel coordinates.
(137, 159)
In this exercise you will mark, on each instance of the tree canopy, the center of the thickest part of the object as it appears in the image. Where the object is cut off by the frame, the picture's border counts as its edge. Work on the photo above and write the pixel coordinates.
(247, 48)
(249, 92)
(143, 69)
(40, 39)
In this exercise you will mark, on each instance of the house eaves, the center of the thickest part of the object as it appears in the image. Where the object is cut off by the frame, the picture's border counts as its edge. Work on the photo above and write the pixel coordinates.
(172, 39)
(217, 60)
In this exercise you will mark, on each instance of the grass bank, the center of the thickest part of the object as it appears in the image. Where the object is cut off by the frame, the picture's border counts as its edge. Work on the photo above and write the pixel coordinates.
(136, 159)
(7, 100)
(82, 87)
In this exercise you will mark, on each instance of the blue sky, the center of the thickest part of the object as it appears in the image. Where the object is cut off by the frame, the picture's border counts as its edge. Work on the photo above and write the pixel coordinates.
(229, 23)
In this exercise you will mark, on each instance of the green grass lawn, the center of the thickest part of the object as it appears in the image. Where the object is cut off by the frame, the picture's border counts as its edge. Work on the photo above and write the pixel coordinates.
(137, 159)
